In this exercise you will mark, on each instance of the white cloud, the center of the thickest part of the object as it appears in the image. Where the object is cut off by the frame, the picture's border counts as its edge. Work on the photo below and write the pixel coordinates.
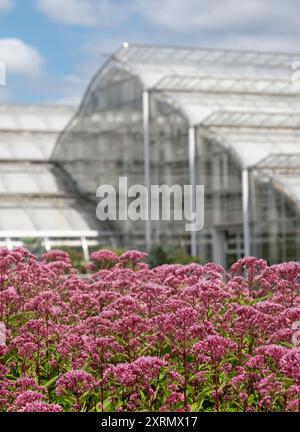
(236, 23)
(258, 42)
(63, 90)
(215, 15)
(19, 57)
(247, 24)
(72, 89)
(6, 5)
(88, 13)
(200, 14)
(6, 96)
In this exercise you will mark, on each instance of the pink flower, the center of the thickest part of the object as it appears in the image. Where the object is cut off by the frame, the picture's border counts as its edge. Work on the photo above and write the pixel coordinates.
(274, 352)
(174, 398)
(103, 259)
(56, 255)
(27, 397)
(10, 301)
(132, 257)
(290, 364)
(41, 407)
(251, 269)
(142, 370)
(216, 347)
(76, 382)
(46, 304)
(257, 361)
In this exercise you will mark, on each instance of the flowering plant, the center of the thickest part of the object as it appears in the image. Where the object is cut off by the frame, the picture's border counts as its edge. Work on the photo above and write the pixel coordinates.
(130, 338)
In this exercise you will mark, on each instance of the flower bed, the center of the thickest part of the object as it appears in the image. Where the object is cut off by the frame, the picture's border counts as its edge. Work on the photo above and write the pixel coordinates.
(174, 338)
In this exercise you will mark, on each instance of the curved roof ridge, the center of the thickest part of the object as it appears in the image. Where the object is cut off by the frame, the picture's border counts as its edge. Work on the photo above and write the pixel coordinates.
(206, 48)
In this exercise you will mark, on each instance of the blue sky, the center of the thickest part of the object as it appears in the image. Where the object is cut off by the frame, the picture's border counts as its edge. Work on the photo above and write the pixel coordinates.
(52, 48)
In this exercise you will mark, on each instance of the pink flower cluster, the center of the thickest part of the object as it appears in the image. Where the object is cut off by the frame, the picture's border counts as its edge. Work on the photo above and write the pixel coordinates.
(129, 338)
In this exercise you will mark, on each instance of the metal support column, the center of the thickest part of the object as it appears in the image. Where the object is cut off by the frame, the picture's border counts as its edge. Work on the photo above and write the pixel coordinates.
(147, 178)
(47, 244)
(9, 243)
(192, 172)
(246, 207)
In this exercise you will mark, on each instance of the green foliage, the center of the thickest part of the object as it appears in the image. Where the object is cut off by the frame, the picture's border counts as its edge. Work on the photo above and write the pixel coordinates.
(34, 245)
(170, 255)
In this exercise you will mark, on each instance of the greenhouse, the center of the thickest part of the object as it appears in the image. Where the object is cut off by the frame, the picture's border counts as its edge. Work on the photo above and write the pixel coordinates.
(229, 120)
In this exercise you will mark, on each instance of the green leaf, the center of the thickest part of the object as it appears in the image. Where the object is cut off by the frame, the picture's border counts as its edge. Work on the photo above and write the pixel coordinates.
(51, 381)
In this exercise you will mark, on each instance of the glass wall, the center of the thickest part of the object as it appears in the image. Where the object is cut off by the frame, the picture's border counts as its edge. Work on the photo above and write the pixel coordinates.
(105, 141)
(275, 223)
(169, 166)
(219, 172)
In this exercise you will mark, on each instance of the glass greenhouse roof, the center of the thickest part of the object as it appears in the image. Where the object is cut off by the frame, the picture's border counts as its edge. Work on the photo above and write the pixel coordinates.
(289, 185)
(28, 178)
(59, 216)
(39, 146)
(34, 118)
(245, 101)
(166, 55)
(35, 196)
(184, 69)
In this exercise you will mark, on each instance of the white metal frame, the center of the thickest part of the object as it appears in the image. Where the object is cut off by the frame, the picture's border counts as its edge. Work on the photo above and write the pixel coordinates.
(50, 238)
(147, 175)
(192, 172)
(245, 197)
